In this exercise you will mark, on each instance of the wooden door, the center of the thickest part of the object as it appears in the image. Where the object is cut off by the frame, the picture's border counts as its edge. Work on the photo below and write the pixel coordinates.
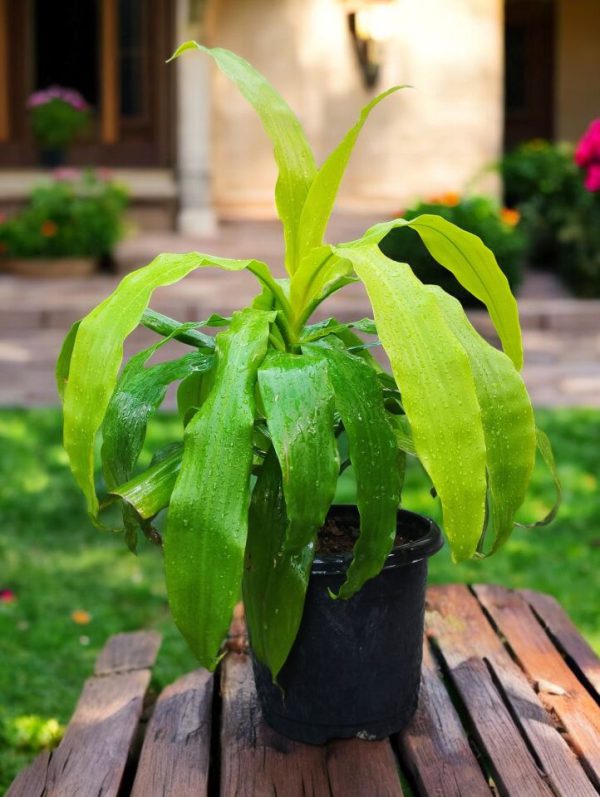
(113, 52)
(529, 70)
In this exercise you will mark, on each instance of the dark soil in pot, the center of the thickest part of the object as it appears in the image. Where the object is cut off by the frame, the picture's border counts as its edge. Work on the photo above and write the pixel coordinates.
(355, 667)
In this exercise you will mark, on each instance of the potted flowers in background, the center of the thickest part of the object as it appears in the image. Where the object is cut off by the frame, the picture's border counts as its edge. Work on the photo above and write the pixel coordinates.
(67, 226)
(274, 408)
(58, 115)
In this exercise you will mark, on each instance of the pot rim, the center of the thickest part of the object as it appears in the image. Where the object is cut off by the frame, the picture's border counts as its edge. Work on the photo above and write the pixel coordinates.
(427, 543)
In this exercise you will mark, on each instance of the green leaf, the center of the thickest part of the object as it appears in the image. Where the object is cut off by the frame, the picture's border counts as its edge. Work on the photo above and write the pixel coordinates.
(331, 326)
(321, 273)
(324, 188)
(434, 375)
(545, 448)
(63, 363)
(139, 393)
(473, 265)
(192, 393)
(299, 406)
(208, 515)
(98, 351)
(150, 492)
(186, 333)
(292, 152)
(267, 511)
(507, 416)
(377, 463)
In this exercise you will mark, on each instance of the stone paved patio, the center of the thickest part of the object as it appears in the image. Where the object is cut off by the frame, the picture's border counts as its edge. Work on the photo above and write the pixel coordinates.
(561, 335)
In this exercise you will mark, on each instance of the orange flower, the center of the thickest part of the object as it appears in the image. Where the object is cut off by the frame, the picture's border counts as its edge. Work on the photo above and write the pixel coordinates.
(81, 617)
(49, 229)
(510, 216)
(450, 199)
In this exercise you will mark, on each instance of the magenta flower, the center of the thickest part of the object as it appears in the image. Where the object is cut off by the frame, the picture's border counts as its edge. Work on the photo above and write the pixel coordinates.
(587, 156)
(592, 178)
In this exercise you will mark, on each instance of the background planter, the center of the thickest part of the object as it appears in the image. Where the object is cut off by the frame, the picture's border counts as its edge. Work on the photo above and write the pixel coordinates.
(49, 267)
(355, 667)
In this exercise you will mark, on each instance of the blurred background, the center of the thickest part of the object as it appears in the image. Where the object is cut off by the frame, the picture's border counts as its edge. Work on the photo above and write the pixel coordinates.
(108, 156)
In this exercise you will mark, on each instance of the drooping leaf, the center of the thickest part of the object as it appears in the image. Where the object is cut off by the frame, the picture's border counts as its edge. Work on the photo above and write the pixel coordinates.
(545, 448)
(434, 375)
(267, 511)
(139, 393)
(98, 352)
(299, 407)
(208, 514)
(507, 415)
(324, 188)
(63, 363)
(473, 265)
(377, 463)
(292, 152)
(150, 492)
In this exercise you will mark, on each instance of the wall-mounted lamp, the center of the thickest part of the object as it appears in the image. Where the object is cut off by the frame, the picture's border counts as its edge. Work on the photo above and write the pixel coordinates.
(371, 23)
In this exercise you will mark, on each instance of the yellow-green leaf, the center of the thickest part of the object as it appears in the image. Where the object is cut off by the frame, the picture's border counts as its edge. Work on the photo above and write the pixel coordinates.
(434, 375)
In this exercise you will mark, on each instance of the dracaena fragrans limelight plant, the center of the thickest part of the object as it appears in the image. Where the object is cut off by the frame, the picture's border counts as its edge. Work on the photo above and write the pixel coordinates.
(269, 403)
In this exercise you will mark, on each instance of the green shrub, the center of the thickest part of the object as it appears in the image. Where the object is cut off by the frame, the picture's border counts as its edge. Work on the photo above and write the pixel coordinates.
(497, 228)
(67, 218)
(544, 183)
(579, 247)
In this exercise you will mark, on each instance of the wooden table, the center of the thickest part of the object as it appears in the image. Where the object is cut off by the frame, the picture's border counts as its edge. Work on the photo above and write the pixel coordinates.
(509, 705)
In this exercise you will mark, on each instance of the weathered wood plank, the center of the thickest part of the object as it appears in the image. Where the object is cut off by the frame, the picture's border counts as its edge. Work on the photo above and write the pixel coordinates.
(31, 780)
(467, 644)
(92, 756)
(434, 747)
(558, 687)
(257, 761)
(134, 651)
(175, 756)
(566, 635)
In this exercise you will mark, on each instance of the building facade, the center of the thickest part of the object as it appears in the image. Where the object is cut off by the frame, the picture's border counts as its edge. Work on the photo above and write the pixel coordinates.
(484, 74)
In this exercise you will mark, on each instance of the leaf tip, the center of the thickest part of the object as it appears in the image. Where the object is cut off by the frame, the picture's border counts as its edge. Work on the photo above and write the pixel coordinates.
(189, 45)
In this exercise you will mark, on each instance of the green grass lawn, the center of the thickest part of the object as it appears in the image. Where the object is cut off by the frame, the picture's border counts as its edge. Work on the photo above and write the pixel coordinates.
(56, 564)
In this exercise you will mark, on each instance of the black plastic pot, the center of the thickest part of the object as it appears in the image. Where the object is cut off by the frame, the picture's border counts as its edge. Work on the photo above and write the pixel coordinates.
(354, 669)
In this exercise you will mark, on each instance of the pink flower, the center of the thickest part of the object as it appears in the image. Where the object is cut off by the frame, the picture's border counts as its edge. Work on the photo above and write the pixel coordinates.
(588, 148)
(7, 596)
(70, 96)
(66, 174)
(592, 178)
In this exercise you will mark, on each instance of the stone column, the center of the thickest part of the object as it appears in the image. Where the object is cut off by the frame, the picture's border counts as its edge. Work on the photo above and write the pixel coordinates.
(194, 106)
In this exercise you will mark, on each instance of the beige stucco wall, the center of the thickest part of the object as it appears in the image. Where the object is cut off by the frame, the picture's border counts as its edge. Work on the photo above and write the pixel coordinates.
(577, 67)
(427, 140)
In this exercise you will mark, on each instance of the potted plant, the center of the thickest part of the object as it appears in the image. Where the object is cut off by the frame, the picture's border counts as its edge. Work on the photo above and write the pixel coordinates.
(57, 115)
(273, 408)
(68, 224)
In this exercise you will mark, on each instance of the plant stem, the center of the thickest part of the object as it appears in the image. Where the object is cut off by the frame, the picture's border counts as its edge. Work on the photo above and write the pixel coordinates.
(163, 325)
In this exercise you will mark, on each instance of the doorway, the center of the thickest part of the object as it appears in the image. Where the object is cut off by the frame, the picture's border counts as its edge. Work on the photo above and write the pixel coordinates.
(529, 47)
